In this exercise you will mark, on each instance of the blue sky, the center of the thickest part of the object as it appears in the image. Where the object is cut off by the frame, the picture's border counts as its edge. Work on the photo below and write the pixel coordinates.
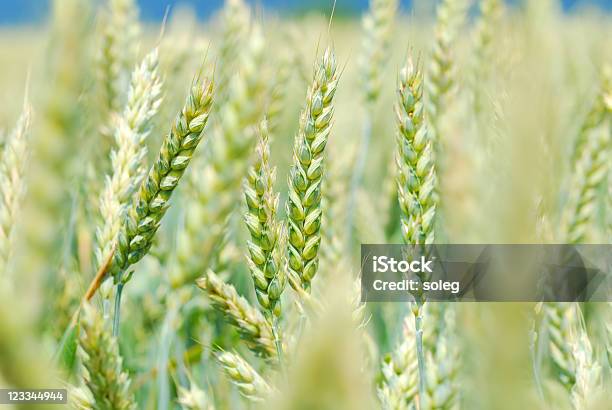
(33, 11)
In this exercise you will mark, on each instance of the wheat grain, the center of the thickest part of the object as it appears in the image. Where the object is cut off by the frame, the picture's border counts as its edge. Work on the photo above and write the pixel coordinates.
(250, 384)
(254, 329)
(132, 128)
(265, 253)
(304, 202)
(103, 372)
(118, 51)
(12, 185)
(150, 205)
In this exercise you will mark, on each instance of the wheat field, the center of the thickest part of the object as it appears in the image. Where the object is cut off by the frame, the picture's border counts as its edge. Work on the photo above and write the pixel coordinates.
(183, 203)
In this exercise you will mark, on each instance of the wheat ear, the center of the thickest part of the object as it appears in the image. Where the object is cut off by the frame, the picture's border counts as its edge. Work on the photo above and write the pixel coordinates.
(484, 47)
(587, 388)
(595, 117)
(416, 178)
(441, 70)
(254, 329)
(399, 387)
(236, 18)
(442, 366)
(118, 50)
(12, 184)
(377, 25)
(589, 173)
(250, 384)
(103, 372)
(131, 130)
(142, 221)
(265, 253)
(304, 202)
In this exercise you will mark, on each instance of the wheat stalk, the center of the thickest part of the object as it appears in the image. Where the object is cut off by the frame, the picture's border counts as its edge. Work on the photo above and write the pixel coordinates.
(118, 50)
(143, 218)
(254, 329)
(265, 253)
(103, 373)
(250, 384)
(12, 185)
(304, 201)
(132, 128)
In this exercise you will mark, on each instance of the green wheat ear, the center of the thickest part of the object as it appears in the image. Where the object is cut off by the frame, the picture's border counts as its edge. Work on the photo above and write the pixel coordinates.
(103, 372)
(304, 202)
(265, 253)
(152, 201)
(416, 178)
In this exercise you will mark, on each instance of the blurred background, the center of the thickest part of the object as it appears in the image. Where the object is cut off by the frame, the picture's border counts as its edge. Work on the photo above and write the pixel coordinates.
(32, 11)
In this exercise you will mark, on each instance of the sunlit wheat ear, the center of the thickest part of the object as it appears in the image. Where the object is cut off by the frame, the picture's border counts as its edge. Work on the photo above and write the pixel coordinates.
(254, 329)
(103, 373)
(265, 254)
(131, 129)
(118, 51)
(416, 177)
(12, 185)
(152, 200)
(250, 384)
(306, 173)
(377, 24)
